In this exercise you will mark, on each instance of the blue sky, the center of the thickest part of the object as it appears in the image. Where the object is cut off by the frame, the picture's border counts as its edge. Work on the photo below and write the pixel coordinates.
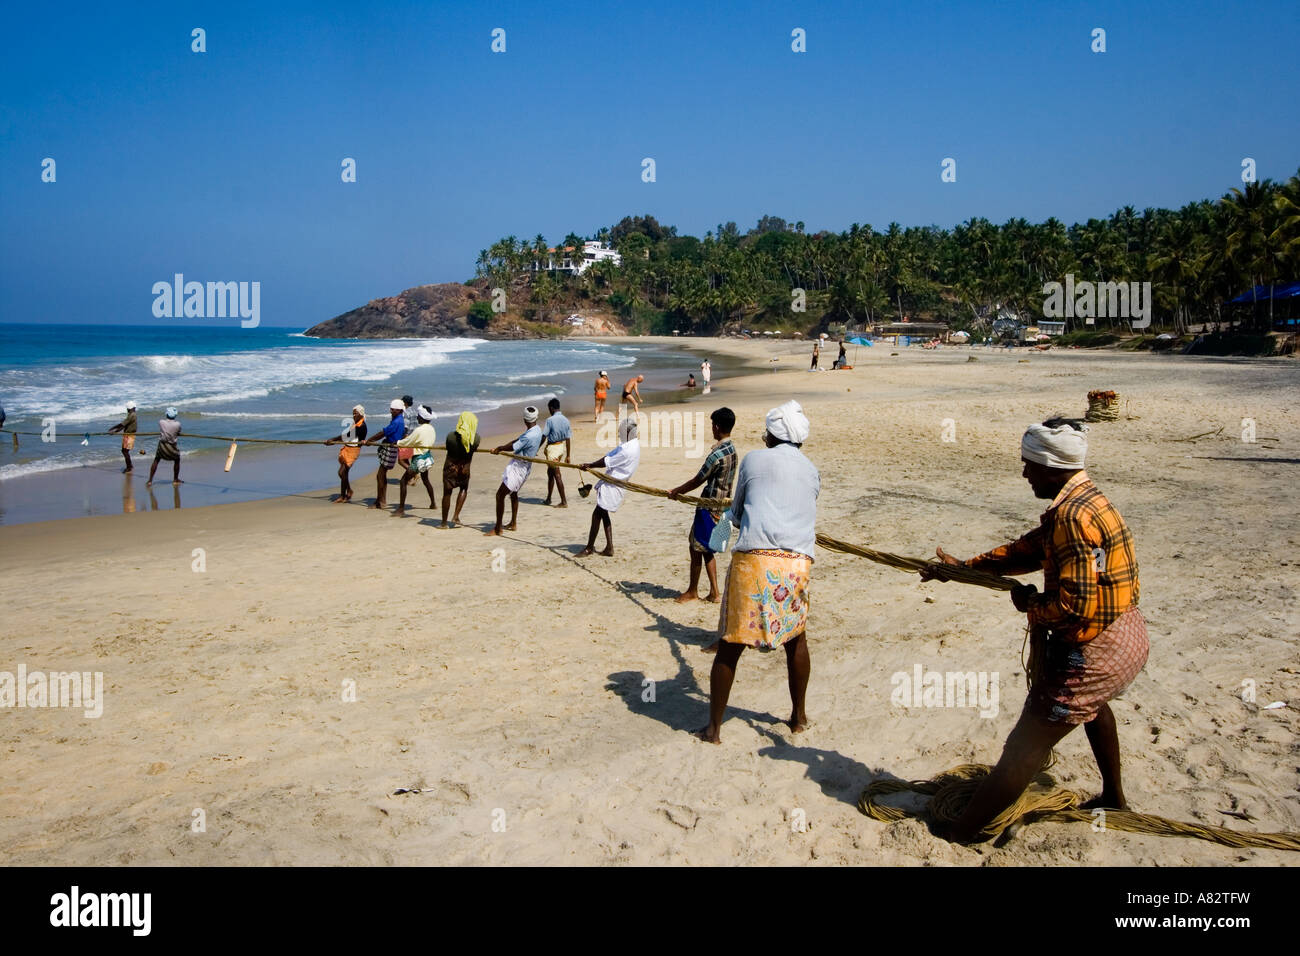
(225, 165)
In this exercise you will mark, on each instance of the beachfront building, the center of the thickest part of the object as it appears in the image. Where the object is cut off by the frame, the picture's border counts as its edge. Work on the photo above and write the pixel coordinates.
(908, 333)
(593, 251)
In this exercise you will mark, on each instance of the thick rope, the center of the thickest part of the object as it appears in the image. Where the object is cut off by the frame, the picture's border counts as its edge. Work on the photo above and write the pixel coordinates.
(949, 572)
(951, 790)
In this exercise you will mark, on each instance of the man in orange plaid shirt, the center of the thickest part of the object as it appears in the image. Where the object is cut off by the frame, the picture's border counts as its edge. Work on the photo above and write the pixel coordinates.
(1088, 639)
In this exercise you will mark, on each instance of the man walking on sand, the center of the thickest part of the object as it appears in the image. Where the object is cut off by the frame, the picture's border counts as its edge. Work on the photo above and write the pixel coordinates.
(516, 473)
(765, 600)
(558, 445)
(717, 475)
(1087, 638)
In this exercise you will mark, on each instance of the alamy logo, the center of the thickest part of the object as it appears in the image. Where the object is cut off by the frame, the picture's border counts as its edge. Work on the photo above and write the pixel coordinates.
(1098, 300)
(926, 688)
(103, 909)
(72, 689)
(217, 300)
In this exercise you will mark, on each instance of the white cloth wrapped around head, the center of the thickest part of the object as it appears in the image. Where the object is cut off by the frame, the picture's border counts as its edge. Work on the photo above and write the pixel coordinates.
(1063, 447)
(788, 423)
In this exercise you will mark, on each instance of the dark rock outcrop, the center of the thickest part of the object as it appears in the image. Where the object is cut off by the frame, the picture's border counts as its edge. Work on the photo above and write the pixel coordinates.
(427, 311)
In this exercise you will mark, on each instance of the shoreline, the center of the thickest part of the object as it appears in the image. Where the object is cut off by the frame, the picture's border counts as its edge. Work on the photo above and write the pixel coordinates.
(100, 489)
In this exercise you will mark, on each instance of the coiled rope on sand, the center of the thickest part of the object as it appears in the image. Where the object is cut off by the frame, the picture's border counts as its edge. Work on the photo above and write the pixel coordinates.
(951, 790)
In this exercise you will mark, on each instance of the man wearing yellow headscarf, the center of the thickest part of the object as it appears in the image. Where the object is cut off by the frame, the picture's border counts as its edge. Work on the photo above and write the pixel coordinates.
(461, 445)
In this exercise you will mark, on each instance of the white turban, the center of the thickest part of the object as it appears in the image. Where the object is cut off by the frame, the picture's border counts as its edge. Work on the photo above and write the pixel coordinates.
(530, 415)
(1062, 447)
(788, 423)
(424, 413)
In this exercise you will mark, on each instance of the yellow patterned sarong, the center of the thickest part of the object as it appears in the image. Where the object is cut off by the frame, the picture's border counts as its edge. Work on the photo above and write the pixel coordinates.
(765, 601)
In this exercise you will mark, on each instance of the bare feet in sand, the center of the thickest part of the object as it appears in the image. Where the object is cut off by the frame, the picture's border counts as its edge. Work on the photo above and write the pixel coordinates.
(686, 597)
(709, 735)
(798, 724)
(586, 552)
(511, 526)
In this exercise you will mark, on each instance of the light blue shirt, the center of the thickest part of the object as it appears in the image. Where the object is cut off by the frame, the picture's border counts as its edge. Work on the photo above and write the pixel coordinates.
(528, 443)
(775, 501)
(558, 428)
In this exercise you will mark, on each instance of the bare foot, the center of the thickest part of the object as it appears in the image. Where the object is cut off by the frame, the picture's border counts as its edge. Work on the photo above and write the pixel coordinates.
(178, 481)
(562, 504)
(686, 597)
(493, 533)
(378, 504)
(443, 525)
(1104, 802)
(399, 511)
(586, 552)
(510, 526)
(712, 598)
(432, 506)
(799, 724)
(608, 552)
(709, 735)
(547, 501)
(711, 647)
(340, 499)
(148, 483)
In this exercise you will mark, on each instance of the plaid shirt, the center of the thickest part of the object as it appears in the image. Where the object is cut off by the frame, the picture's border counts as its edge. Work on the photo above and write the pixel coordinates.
(1090, 575)
(719, 470)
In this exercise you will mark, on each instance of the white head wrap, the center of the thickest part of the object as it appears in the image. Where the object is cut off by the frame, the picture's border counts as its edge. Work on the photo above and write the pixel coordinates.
(788, 423)
(425, 413)
(359, 410)
(530, 415)
(627, 429)
(130, 406)
(397, 405)
(1062, 447)
(171, 413)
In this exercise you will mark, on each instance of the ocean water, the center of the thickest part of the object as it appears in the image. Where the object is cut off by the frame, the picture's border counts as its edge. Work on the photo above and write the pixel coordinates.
(260, 383)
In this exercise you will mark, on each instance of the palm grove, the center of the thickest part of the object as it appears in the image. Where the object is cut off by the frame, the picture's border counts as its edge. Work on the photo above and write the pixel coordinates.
(1197, 258)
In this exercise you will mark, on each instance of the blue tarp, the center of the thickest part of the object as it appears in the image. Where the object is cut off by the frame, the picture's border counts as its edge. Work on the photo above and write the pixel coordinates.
(1261, 293)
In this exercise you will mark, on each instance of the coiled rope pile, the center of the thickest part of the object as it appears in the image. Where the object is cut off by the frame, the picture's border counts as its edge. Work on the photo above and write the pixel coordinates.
(951, 790)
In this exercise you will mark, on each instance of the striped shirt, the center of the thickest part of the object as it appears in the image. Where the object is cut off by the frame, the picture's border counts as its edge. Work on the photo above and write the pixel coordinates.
(1085, 551)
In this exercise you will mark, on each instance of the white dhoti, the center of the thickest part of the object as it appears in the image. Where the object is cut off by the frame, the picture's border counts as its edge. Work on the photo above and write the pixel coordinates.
(516, 474)
(609, 496)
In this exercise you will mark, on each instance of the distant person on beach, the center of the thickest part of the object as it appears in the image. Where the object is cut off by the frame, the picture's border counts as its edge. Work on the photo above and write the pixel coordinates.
(388, 438)
(351, 450)
(717, 475)
(410, 422)
(817, 354)
(461, 445)
(169, 449)
(516, 473)
(602, 392)
(127, 427)
(690, 381)
(631, 393)
(1087, 638)
(558, 444)
(621, 464)
(842, 359)
(421, 443)
(706, 372)
(765, 600)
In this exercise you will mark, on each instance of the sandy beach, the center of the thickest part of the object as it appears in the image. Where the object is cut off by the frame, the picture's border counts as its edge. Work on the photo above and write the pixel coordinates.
(542, 704)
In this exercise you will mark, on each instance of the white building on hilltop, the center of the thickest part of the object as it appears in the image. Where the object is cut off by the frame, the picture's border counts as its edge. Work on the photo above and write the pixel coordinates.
(592, 252)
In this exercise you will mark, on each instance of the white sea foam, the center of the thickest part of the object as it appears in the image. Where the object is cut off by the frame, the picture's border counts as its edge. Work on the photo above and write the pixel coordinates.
(82, 394)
